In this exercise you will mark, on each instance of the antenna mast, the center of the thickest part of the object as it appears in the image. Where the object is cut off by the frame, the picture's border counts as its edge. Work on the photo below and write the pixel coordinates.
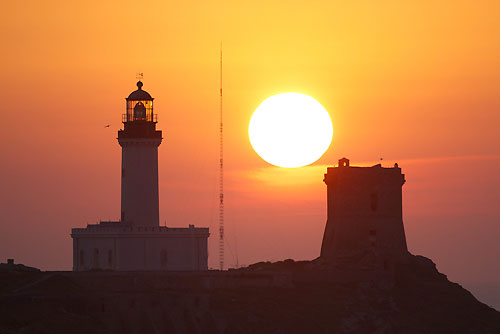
(221, 176)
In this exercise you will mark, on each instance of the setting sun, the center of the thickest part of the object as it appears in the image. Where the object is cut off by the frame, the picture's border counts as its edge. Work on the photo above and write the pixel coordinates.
(290, 130)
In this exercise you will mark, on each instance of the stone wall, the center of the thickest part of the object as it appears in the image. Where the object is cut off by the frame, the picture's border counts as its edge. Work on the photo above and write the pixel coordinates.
(364, 212)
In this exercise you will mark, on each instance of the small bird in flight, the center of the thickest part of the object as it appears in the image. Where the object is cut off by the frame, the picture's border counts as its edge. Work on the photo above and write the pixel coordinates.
(106, 126)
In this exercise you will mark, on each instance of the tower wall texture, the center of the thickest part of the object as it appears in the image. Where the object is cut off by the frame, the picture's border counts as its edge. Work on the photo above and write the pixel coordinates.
(139, 200)
(364, 212)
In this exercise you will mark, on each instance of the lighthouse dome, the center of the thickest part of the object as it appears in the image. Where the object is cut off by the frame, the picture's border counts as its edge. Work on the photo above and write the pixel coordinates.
(139, 94)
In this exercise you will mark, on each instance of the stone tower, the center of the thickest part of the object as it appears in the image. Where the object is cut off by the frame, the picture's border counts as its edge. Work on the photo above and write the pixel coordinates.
(364, 212)
(139, 141)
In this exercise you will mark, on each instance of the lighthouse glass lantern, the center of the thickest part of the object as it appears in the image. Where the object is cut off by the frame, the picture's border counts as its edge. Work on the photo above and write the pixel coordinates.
(139, 106)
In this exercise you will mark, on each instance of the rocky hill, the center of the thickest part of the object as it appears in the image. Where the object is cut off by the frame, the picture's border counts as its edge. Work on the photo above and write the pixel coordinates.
(282, 297)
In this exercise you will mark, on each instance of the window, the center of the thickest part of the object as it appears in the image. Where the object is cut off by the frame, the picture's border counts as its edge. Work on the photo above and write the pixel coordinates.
(96, 258)
(82, 258)
(163, 258)
(373, 237)
(374, 202)
(110, 258)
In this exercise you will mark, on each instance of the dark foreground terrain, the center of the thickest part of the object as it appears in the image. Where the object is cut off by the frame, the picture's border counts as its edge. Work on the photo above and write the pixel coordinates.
(283, 297)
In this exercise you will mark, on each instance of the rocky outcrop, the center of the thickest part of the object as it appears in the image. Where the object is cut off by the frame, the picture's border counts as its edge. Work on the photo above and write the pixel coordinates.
(12, 267)
(411, 297)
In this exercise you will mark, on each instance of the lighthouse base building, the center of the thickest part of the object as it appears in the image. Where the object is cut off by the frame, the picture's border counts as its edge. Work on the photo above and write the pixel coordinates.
(137, 241)
(117, 246)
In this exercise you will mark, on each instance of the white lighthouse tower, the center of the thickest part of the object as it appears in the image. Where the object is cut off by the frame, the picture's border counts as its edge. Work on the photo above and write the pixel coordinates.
(139, 141)
(137, 241)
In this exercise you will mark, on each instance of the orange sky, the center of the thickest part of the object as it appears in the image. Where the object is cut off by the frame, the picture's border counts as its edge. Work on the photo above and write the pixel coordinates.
(417, 83)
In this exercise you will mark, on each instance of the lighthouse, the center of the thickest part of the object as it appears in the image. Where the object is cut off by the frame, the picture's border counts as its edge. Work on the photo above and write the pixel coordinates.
(139, 140)
(137, 241)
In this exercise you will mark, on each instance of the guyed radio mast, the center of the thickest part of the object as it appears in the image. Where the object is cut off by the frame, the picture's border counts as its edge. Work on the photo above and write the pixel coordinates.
(221, 174)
